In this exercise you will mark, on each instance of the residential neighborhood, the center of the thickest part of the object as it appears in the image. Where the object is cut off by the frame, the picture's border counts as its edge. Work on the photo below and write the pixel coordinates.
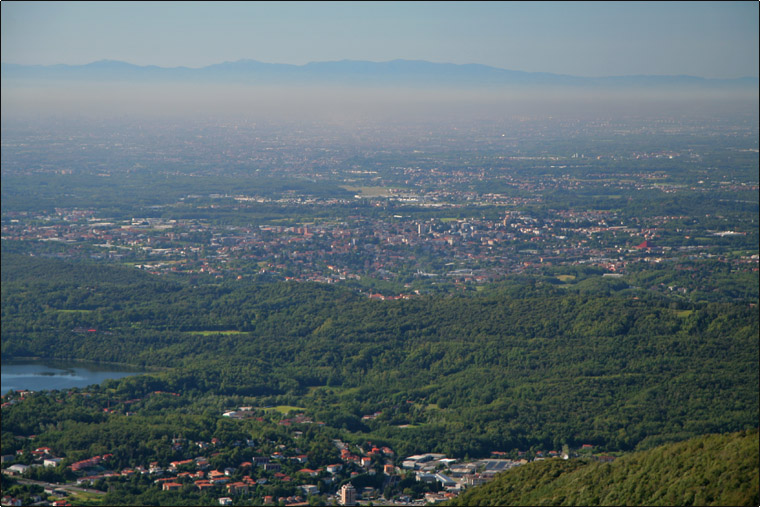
(436, 476)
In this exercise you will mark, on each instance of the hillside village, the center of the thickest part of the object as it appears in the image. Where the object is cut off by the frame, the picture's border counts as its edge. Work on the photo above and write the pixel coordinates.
(362, 473)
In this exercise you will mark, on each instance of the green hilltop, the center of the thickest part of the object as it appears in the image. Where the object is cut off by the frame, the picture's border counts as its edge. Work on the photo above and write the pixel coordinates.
(706, 470)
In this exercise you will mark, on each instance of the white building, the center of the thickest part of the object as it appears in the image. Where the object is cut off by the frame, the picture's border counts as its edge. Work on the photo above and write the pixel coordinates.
(18, 468)
(310, 489)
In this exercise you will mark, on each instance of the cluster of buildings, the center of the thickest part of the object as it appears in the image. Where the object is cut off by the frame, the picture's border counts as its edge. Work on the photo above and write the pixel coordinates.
(405, 249)
(445, 477)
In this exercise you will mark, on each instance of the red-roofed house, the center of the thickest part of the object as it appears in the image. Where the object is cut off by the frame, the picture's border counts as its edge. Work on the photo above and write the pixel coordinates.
(237, 487)
(203, 485)
(334, 469)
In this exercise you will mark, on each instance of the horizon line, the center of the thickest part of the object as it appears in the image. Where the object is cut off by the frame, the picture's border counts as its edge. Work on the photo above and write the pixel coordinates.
(348, 60)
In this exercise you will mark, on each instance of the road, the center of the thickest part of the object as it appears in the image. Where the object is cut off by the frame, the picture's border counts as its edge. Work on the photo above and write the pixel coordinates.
(66, 487)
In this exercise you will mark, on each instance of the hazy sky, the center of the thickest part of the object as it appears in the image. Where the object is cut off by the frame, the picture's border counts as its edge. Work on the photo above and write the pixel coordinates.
(708, 39)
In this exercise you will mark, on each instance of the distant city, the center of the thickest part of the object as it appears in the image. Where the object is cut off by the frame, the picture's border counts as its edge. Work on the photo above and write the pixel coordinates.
(465, 206)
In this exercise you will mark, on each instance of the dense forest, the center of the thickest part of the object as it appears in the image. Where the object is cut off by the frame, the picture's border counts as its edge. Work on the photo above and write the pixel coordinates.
(706, 470)
(517, 365)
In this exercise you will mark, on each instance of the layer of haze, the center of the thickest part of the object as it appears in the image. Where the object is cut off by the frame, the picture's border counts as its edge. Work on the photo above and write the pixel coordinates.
(351, 104)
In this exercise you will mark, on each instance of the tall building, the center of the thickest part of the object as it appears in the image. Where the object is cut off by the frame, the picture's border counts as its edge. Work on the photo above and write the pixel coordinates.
(347, 495)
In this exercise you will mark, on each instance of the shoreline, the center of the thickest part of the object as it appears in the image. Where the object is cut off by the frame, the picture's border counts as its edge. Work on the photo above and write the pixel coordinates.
(23, 359)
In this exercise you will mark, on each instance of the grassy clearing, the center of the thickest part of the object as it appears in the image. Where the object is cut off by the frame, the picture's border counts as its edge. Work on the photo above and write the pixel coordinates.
(85, 499)
(79, 498)
(343, 390)
(684, 313)
(565, 278)
(284, 409)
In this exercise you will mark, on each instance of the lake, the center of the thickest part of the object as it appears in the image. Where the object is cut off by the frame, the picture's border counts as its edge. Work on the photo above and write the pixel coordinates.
(49, 375)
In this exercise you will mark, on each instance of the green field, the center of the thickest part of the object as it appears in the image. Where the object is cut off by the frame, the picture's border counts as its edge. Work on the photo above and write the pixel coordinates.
(283, 409)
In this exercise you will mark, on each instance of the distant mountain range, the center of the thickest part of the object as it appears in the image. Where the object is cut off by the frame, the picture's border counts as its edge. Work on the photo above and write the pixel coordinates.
(349, 72)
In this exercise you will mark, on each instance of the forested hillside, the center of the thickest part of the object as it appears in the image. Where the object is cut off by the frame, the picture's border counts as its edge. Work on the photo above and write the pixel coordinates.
(706, 470)
(519, 364)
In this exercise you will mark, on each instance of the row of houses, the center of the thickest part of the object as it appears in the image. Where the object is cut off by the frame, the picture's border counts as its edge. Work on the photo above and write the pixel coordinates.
(90, 462)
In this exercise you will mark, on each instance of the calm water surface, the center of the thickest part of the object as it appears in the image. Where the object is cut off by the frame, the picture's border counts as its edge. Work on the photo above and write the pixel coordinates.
(39, 375)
